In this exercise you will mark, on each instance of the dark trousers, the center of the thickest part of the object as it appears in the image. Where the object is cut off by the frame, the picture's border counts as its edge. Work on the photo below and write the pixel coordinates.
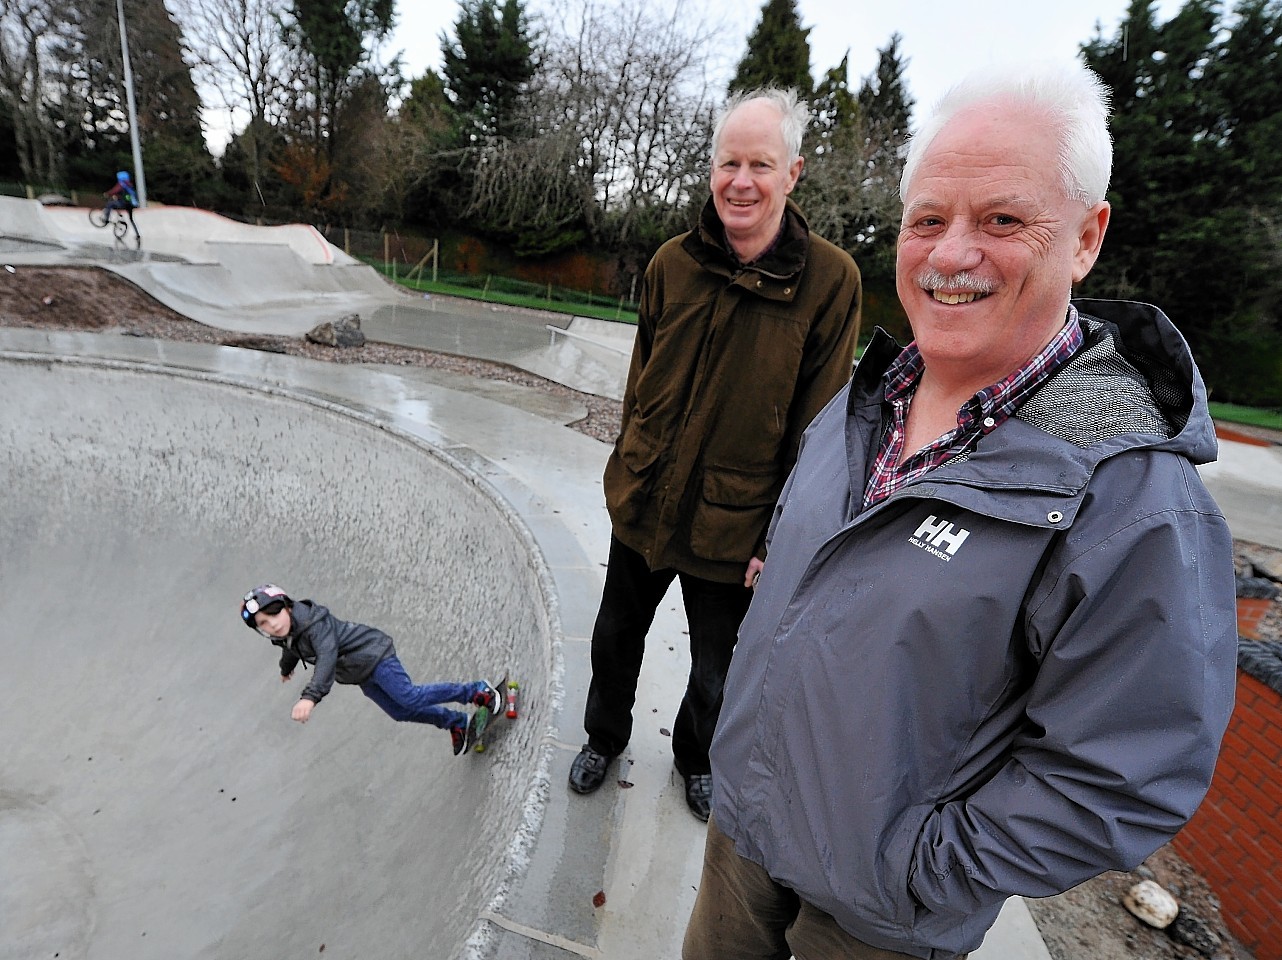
(632, 594)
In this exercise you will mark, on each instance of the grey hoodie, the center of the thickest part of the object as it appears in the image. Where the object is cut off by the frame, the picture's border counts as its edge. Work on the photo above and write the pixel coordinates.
(1006, 678)
(342, 651)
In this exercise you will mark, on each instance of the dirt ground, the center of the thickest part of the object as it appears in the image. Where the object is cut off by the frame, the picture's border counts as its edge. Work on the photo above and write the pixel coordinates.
(1087, 923)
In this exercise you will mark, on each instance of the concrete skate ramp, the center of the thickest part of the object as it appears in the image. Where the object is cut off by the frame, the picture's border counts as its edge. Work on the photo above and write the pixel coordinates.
(287, 279)
(156, 801)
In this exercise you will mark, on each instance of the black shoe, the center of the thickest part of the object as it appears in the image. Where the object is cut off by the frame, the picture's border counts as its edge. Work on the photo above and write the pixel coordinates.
(588, 770)
(699, 794)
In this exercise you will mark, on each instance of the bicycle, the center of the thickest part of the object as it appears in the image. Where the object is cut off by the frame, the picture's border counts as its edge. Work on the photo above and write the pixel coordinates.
(120, 219)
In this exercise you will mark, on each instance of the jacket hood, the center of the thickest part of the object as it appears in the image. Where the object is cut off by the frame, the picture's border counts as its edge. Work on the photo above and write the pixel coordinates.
(304, 614)
(301, 615)
(1143, 336)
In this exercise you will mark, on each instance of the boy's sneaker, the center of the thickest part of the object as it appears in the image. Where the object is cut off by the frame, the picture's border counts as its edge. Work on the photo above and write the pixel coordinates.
(489, 698)
(458, 737)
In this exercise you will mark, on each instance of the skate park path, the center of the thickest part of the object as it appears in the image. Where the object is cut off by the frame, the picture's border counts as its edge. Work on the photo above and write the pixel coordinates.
(464, 519)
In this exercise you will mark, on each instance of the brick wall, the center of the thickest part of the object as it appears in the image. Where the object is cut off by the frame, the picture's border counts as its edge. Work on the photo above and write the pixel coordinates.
(1235, 839)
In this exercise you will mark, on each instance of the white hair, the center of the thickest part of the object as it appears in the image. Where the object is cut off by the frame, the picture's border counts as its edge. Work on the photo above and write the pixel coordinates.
(793, 116)
(1071, 97)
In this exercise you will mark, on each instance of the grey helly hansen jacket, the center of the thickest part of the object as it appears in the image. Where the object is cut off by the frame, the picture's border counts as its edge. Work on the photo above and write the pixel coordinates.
(1008, 677)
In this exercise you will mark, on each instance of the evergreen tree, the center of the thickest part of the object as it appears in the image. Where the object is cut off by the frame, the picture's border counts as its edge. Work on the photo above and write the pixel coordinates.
(427, 127)
(335, 39)
(850, 185)
(886, 108)
(487, 67)
(778, 52)
(1194, 188)
(831, 189)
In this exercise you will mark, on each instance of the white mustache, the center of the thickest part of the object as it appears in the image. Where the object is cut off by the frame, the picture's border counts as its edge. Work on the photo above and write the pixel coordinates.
(964, 282)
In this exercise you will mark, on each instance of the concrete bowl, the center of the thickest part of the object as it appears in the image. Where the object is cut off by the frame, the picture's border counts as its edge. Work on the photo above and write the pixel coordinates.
(156, 799)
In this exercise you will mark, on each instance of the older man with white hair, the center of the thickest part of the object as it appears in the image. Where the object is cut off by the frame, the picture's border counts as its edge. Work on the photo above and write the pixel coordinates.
(747, 327)
(993, 648)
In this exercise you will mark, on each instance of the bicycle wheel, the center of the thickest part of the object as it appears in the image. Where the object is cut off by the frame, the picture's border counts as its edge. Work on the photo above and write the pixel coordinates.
(97, 217)
(119, 227)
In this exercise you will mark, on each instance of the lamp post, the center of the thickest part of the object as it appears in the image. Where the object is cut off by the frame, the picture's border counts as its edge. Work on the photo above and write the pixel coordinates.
(140, 181)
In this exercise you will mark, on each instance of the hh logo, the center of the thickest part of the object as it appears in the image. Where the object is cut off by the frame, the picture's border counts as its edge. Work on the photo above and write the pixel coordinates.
(939, 537)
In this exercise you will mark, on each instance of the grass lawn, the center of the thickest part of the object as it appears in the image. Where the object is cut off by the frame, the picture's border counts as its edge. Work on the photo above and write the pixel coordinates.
(1251, 416)
(601, 308)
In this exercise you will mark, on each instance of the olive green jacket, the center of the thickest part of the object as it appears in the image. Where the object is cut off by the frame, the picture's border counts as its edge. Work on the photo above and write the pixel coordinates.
(731, 363)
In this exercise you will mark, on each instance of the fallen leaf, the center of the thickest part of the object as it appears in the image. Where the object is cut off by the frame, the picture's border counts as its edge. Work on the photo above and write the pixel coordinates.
(665, 732)
(624, 784)
(599, 899)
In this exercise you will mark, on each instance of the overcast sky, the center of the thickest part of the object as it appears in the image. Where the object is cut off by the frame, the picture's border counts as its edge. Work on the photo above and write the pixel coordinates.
(942, 39)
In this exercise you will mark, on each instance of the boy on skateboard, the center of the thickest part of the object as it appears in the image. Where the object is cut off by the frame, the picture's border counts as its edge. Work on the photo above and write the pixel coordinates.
(357, 654)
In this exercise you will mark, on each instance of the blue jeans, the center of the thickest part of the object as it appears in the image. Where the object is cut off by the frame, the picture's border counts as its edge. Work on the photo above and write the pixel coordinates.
(401, 699)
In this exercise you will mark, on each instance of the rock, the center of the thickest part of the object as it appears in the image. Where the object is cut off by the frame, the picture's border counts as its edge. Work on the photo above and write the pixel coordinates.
(1196, 933)
(345, 332)
(1152, 904)
(1264, 561)
(1257, 588)
(1268, 566)
(252, 342)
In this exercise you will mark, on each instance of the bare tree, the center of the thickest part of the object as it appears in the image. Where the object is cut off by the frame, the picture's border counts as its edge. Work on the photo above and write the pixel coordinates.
(629, 78)
(613, 140)
(843, 195)
(533, 190)
(243, 65)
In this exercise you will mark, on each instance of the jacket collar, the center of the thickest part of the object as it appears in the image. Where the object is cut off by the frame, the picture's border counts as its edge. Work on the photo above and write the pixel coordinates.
(1137, 333)
(777, 269)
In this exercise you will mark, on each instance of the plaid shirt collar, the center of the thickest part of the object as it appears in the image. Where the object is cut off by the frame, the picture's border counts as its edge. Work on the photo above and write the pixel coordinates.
(976, 418)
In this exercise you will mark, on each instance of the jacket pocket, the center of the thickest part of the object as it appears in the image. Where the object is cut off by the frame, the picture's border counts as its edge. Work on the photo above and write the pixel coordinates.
(731, 515)
(629, 475)
(869, 880)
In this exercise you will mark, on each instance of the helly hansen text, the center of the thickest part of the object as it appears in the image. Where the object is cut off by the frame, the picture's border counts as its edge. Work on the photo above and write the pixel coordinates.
(939, 538)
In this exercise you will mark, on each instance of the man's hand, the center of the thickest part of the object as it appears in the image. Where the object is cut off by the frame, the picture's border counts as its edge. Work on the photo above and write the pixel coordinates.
(302, 710)
(750, 577)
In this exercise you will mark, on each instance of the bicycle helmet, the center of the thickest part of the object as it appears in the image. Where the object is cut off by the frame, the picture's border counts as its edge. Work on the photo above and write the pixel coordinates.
(259, 598)
(122, 176)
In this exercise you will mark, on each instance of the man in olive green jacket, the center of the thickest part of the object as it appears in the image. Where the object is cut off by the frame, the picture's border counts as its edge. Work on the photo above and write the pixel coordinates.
(747, 328)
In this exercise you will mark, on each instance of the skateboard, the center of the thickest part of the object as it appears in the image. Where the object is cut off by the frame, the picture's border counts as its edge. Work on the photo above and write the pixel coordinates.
(481, 726)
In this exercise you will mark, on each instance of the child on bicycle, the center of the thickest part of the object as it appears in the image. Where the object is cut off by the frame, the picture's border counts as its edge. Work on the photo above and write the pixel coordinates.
(122, 196)
(357, 654)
